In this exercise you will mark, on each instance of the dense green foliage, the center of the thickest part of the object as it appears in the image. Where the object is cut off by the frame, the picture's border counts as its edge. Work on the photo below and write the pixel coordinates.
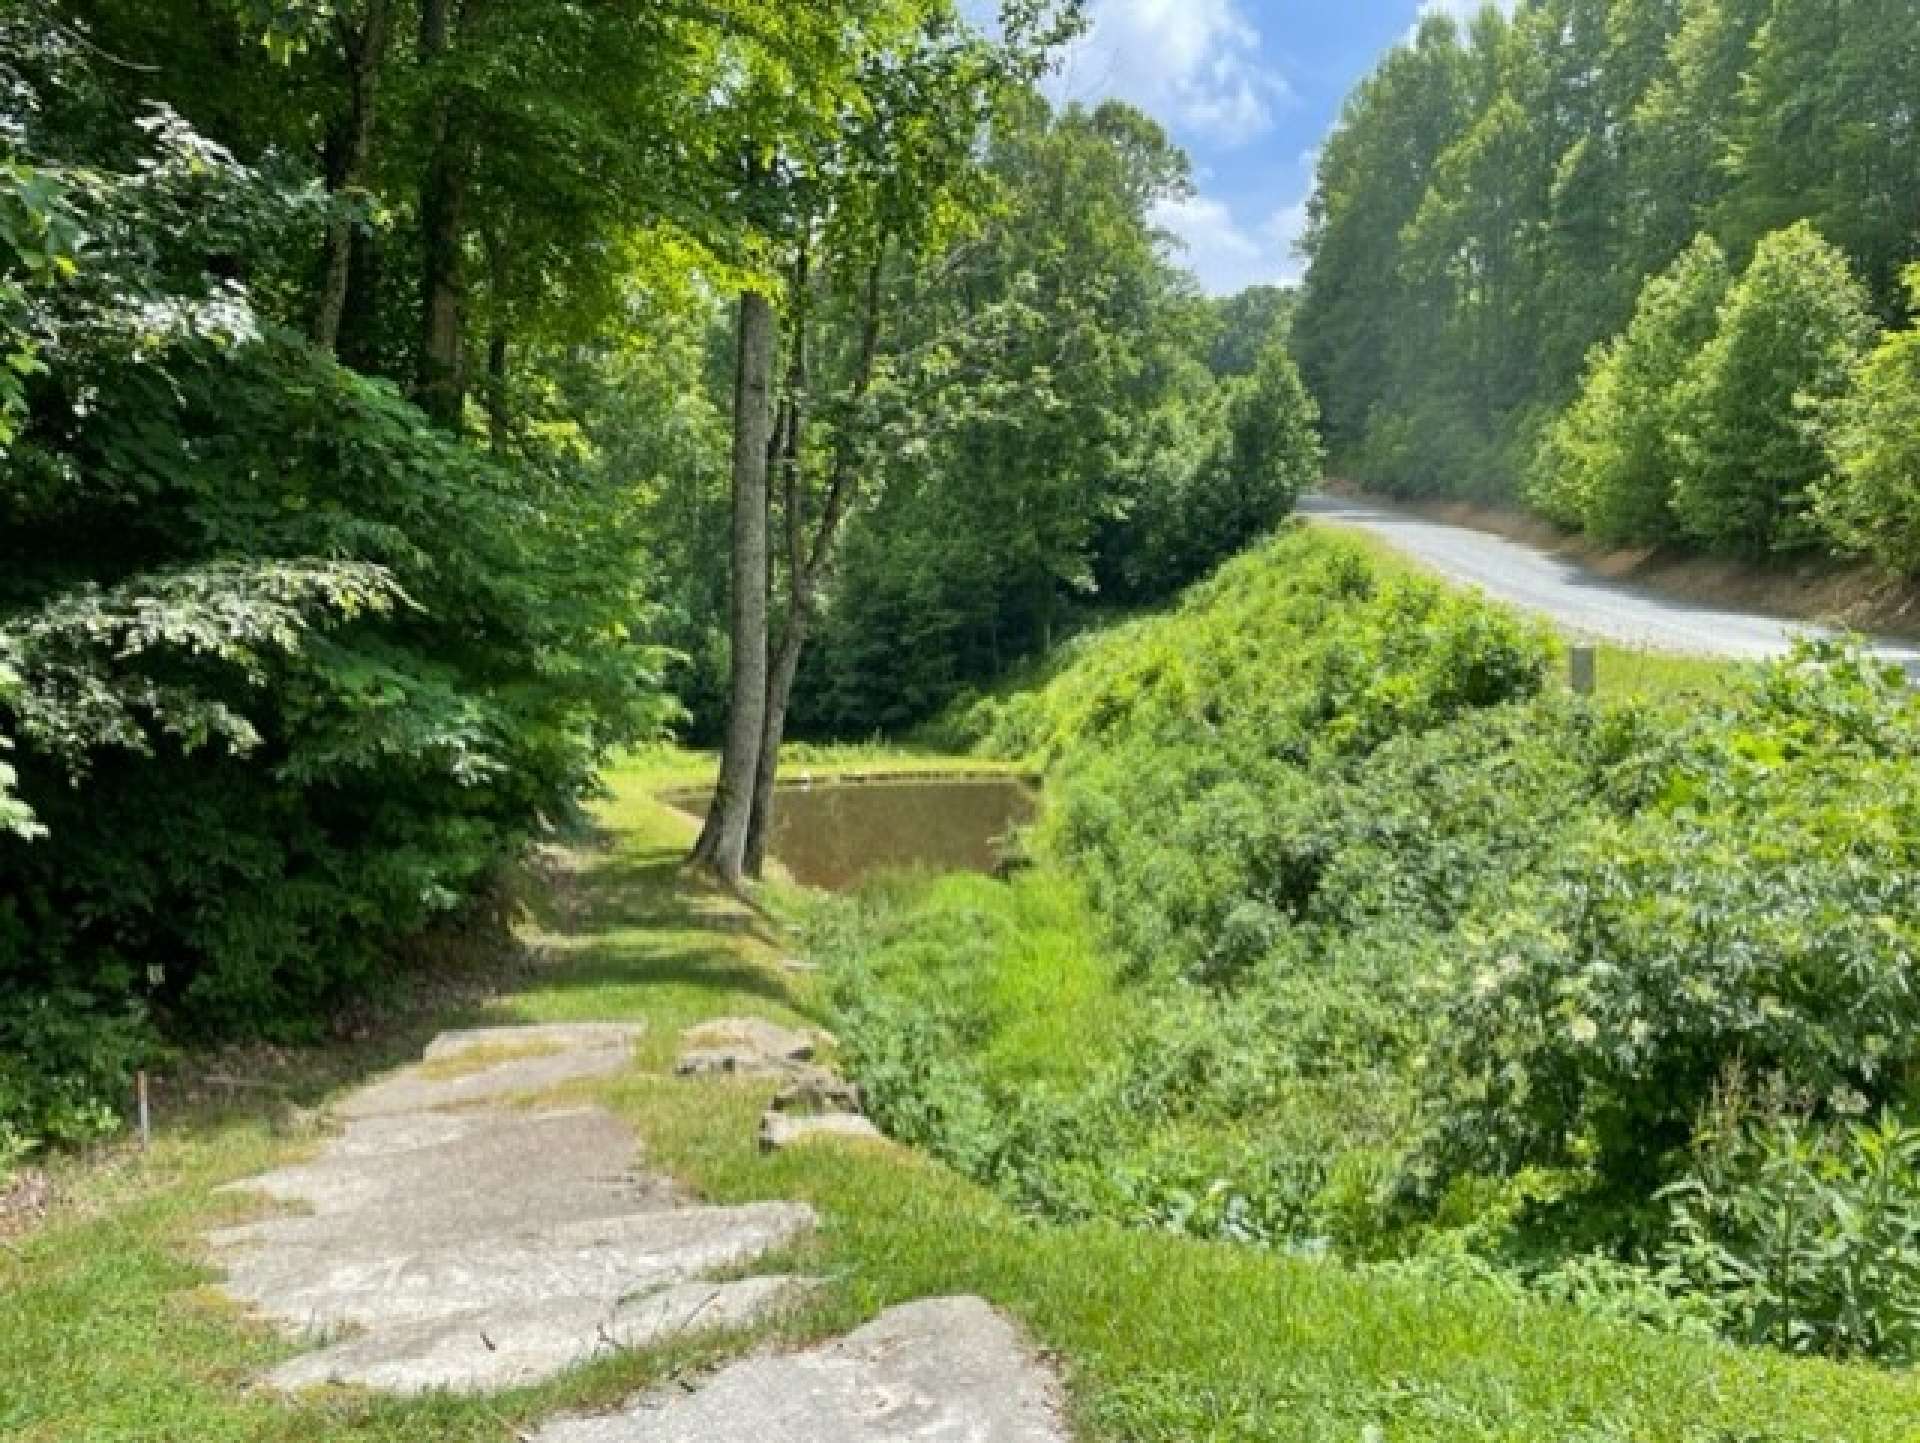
(1789, 334)
(288, 670)
(1510, 285)
(1355, 933)
(1608, 465)
(1872, 502)
(1066, 424)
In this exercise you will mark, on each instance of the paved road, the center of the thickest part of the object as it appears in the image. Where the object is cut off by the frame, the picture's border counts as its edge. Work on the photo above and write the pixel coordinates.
(1579, 601)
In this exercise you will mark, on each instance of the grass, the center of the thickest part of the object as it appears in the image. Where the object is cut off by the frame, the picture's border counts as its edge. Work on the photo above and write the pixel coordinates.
(677, 768)
(108, 1332)
(1621, 671)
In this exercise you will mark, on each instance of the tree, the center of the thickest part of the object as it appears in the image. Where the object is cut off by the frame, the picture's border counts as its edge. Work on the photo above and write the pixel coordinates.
(1043, 398)
(723, 842)
(1249, 321)
(362, 36)
(1609, 461)
(1871, 504)
(1272, 452)
(1827, 131)
(1677, 137)
(1373, 174)
(894, 172)
(1786, 342)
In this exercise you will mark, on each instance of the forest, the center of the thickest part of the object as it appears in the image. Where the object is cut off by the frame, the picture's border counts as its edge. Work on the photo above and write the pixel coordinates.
(380, 378)
(1641, 265)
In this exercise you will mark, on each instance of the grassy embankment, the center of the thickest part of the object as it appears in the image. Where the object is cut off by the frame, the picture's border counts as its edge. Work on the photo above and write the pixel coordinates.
(108, 1333)
(1352, 933)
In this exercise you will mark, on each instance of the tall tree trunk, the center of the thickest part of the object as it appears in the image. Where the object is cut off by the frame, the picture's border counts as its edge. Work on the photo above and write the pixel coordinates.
(499, 420)
(786, 665)
(365, 49)
(807, 563)
(790, 437)
(723, 842)
(440, 384)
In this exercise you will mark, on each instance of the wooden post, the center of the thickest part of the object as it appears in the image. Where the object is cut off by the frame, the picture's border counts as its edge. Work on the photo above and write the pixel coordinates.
(146, 1119)
(1583, 669)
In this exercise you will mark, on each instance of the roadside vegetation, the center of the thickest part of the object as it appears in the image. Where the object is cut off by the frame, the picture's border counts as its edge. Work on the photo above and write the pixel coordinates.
(1643, 267)
(1350, 933)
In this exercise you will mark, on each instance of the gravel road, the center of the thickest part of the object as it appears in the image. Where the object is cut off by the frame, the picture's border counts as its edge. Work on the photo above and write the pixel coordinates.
(1580, 602)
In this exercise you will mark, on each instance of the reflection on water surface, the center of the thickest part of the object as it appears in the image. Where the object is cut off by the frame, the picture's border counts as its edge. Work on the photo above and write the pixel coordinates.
(833, 834)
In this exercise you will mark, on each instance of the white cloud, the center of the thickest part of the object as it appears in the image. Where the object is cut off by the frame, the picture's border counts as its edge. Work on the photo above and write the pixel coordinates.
(1193, 64)
(1227, 256)
(1285, 229)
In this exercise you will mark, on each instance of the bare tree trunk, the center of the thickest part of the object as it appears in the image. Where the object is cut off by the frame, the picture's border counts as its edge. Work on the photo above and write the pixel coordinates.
(441, 384)
(786, 666)
(723, 842)
(790, 437)
(364, 48)
(499, 423)
(806, 565)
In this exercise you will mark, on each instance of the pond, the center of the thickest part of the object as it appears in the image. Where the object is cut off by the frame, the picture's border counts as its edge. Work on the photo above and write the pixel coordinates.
(834, 834)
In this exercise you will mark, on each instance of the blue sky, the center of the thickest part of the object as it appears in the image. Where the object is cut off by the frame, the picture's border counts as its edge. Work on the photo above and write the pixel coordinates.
(1249, 88)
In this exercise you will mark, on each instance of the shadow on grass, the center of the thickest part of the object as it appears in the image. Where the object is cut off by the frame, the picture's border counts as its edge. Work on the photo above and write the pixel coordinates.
(605, 914)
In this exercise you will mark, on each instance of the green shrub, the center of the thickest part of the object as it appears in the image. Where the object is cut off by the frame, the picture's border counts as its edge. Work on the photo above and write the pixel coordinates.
(1805, 1237)
(1750, 896)
(66, 1071)
(1607, 465)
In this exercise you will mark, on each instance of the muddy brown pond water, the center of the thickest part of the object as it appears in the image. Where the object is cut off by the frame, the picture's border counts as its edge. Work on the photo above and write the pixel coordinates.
(834, 834)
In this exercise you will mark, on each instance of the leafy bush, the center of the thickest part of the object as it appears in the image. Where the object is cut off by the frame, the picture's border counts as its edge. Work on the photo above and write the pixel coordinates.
(1268, 452)
(65, 1066)
(1749, 895)
(1805, 1237)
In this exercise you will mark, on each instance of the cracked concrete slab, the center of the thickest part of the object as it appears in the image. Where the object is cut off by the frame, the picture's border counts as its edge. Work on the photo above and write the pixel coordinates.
(533, 1060)
(486, 1248)
(945, 1370)
(525, 1343)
